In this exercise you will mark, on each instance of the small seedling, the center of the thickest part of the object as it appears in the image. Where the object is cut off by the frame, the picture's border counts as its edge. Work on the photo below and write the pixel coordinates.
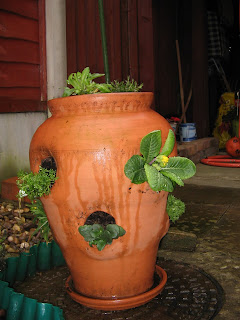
(97, 235)
(129, 85)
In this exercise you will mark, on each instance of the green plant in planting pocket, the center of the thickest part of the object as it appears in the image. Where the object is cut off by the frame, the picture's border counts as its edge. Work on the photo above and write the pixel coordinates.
(97, 235)
(36, 185)
(175, 208)
(158, 169)
(40, 218)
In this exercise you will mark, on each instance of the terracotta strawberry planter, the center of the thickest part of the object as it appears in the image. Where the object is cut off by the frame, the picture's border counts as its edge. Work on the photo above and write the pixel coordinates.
(91, 137)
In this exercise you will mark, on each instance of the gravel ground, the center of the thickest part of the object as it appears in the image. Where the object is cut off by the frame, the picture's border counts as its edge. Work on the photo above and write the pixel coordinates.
(17, 227)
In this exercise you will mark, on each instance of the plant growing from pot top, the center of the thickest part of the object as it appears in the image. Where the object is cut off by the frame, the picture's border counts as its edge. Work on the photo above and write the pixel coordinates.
(159, 170)
(82, 83)
(36, 185)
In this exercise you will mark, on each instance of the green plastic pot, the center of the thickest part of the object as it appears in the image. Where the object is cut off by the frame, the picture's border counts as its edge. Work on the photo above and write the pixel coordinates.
(44, 256)
(29, 308)
(41, 257)
(15, 306)
(11, 270)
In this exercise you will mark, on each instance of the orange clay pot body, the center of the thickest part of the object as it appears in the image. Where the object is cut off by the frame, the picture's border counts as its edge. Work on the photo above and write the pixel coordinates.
(91, 137)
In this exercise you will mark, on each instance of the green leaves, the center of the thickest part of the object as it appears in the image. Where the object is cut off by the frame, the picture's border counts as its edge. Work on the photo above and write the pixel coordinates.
(160, 171)
(157, 180)
(134, 169)
(150, 145)
(128, 85)
(96, 235)
(182, 167)
(169, 144)
(41, 219)
(82, 83)
(175, 208)
(35, 185)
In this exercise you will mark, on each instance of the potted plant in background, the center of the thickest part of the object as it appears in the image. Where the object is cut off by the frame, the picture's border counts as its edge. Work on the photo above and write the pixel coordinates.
(93, 141)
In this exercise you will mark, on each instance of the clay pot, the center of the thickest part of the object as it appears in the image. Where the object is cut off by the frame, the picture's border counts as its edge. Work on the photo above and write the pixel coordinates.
(91, 137)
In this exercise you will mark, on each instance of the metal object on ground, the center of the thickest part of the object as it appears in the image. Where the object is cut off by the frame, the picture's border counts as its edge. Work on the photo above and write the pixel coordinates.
(189, 294)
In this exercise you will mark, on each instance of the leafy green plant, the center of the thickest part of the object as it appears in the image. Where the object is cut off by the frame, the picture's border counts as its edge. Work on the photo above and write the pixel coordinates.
(41, 219)
(129, 85)
(97, 235)
(175, 208)
(36, 185)
(82, 83)
(156, 167)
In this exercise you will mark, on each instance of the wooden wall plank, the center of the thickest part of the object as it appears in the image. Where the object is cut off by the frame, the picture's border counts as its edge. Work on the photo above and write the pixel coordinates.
(71, 34)
(22, 106)
(90, 36)
(42, 49)
(20, 93)
(165, 58)
(27, 8)
(200, 68)
(15, 50)
(133, 40)
(22, 56)
(13, 26)
(98, 47)
(145, 44)
(81, 35)
(113, 31)
(124, 39)
(19, 75)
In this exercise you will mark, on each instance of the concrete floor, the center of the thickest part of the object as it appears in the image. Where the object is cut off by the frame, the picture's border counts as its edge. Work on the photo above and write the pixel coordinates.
(212, 200)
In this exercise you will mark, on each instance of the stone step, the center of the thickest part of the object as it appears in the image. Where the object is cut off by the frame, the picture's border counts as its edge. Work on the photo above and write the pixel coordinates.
(198, 149)
(176, 240)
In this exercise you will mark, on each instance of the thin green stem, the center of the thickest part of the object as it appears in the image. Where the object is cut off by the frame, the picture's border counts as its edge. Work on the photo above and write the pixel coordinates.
(104, 41)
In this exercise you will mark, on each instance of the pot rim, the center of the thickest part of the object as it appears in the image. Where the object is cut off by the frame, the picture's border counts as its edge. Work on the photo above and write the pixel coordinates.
(102, 103)
(102, 95)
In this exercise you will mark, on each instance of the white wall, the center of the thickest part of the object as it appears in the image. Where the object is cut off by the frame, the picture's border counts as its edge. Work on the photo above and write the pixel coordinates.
(17, 129)
(56, 47)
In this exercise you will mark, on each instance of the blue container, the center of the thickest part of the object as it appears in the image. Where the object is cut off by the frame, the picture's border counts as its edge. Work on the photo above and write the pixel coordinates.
(187, 132)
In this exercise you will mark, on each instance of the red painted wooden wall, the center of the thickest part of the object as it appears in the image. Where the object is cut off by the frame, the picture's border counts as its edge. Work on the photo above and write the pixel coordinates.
(141, 40)
(129, 38)
(22, 56)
